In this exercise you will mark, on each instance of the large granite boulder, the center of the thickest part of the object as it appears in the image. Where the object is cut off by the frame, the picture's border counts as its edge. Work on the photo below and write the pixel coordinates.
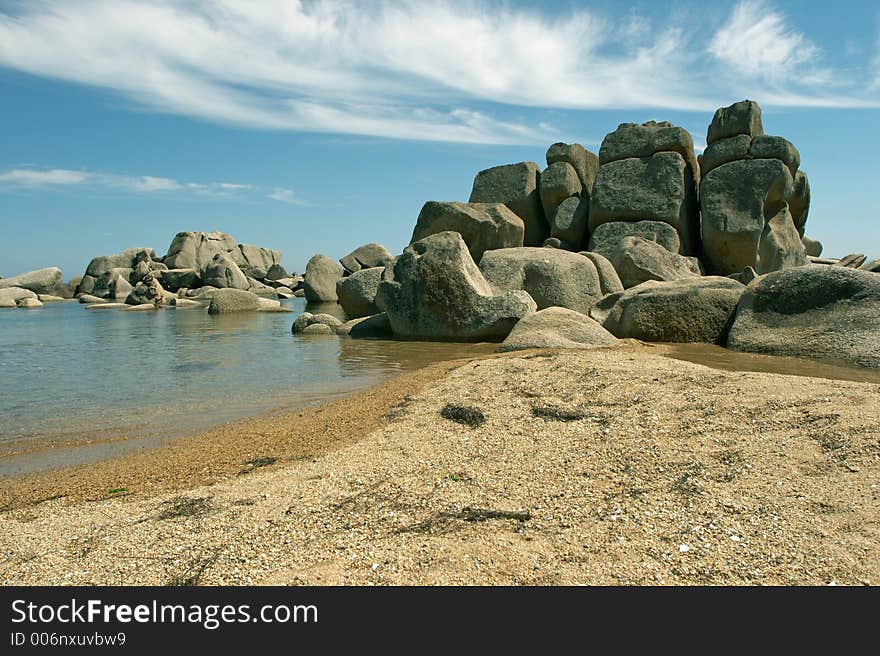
(745, 218)
(113, 284)
(483, 226)
(319, 281)
(196, 250)
(606, 238)
(175, 279)
(70, 287)
(656, 188)
(222, 272)
(688, 310)
(41, 281)
(585, 163)
(10, 296)
(813, 247)
(367, 256)
(229, 300)
(276, 272)
(375, 327)
(255, 261)
(124, 260)
(434, 291)
(608, 278)
(307, 320)
(515, 185)
(637, 260)
(634, 140)
(569, 223)
(799, 202)
(743, 117)
(743, 146)
(558, 182)
(814, 311)
(552, 277)
(357, 292)
(557, 327)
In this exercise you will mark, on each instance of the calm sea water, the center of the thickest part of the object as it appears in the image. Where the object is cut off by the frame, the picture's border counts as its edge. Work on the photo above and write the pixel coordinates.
(71, 375)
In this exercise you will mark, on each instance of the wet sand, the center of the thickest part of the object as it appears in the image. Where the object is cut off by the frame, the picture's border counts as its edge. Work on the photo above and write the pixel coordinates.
(614, 466)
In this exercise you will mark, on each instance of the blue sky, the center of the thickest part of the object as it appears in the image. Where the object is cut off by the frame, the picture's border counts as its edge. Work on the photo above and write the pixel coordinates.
(318, 126)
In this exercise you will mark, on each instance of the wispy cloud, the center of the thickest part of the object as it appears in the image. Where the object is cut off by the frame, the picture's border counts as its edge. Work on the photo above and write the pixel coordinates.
(32, 178)
(428, 69)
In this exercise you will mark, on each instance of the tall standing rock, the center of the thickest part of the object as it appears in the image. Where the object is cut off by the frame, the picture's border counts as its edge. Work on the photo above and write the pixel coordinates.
(483, 226)
(319, 280)
(517, 186)
(569, 222)
(559, 181)
(585, 163)
(743, 117)
(434, 291)
(222, 272)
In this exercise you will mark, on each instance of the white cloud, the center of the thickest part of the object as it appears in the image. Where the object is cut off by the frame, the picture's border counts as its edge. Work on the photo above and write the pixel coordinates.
(412, 69)
(32, 178)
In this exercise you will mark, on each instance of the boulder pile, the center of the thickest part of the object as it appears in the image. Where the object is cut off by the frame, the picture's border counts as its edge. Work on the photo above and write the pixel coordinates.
(643, 240)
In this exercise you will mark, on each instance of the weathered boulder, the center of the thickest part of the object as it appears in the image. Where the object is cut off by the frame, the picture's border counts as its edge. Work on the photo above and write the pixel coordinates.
(483, 226)
(812, 311)
(515, 185)
(222, 272)
(557, 327)
(375, 327)
(434, 291)
(196, 250)
(558, 182)
(319, 281)
(799, 202)
(688, 310)
(148, 291)
(276, 272)
(255, 261)
(367, 256)
(744, 203)
(42, 281)
(357, 292)
(743, 117)
(175, 279)
(743, 146)
(261, 290)
(872, 266)
(106, 306)
(569, 223)
(124, 260)
(10, 296)
(229, 300)
(552, 277)
(585, 163)
(48, 298)
(113, 284)
(608, 278)
(656, 188)
(634, 140)
(70, 287)
(307, 319)
(86, 285)
(608, 236)
(637, 260)
(813, 247)
(88, 299)
(29, 303)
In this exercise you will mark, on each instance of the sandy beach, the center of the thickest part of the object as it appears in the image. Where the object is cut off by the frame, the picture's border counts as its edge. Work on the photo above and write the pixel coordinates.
(614, 466)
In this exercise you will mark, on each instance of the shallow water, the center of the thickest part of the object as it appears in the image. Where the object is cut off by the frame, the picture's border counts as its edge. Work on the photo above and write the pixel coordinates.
(71, 375)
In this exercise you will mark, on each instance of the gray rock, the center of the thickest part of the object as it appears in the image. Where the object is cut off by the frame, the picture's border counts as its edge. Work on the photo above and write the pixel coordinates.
(483, 226)
(42, 281)
(88, 299)
(434, 291)
(634, 140)
(196, 250)
(375, 327)
(812, 311)
(284, 292)
(357, 292)
(813, 247)
(48, 298)
(689, 310)
(320, 279)
(656, 188)
(276, 272)
(553, 278)
(743, 146)
(607, 236)
(185, 304)
(799, 202)
(29, 303)
(585, 163)
(124, 260)
(738, 201)
(261, 290)
(105, 306)
(569, 223)
(113, 284)
(86, 285)
(307, 319)
(227, 300)
(203, 293)
(637, 260)
(175, 279)
(872, 266)
(70, 288)
(558, 182)
(780, 246)
(137, 274)
(255, 261)
(555, 242)
(10, 296)
(557, 327)
(743, 117)
(608, 278)
(142, 307)
(852, 261)
(515, 185)
(222, 272)
(745, 276)
(367, 256)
